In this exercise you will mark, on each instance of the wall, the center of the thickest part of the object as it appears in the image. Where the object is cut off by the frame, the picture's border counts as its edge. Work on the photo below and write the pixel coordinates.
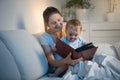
(24, 14)
(27, 14)
(99, 14)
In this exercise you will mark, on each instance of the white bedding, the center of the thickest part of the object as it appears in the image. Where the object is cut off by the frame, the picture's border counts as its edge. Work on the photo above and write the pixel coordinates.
(117, 48)
(104, 66)
(107, 69)
(50, 78)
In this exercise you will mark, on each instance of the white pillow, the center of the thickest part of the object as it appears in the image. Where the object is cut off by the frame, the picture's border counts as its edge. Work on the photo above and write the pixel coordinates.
(117, 47)
(107, 49)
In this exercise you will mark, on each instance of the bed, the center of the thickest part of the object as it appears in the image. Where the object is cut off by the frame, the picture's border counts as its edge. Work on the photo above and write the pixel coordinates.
(104, 66)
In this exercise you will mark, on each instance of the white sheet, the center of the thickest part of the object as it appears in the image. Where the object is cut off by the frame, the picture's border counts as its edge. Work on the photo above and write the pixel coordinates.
(104, 66)
(50, 78)
(117, 48)
(101, 68)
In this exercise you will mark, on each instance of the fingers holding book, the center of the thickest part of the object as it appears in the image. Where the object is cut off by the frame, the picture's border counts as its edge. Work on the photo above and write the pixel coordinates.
(72, 62)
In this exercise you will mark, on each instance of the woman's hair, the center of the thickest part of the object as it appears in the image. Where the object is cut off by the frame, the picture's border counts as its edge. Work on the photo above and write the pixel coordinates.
(75, 23)
(47, 13)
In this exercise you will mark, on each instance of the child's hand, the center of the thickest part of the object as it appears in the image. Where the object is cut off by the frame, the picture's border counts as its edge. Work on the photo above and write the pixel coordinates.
(76, 61)
(71, 61)
(81, 59)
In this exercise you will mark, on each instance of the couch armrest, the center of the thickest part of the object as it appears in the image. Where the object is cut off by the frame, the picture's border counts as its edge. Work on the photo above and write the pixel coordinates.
(26, 52)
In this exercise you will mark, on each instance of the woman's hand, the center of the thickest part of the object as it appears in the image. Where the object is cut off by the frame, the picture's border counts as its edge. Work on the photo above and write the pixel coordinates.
(72, 62)
(54, 49)
(76, 61)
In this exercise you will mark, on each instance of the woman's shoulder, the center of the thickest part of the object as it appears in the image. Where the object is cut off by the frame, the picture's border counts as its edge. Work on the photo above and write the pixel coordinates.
(45, 38)
(45, 35)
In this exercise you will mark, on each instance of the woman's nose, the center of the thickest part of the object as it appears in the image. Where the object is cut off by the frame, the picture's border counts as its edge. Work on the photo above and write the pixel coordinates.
(59, 23)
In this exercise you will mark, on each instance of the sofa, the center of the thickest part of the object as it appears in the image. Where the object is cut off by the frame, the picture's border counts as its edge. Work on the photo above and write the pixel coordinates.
(22, 57)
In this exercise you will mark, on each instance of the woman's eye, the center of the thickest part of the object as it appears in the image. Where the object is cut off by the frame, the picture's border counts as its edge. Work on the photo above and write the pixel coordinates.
(70, 34)
(53, 23)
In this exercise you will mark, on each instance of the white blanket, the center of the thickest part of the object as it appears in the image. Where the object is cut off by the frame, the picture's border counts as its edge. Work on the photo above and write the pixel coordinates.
(102, 67)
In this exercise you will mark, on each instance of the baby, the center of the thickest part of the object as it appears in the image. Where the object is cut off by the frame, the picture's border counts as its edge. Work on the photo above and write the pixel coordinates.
(73, 30)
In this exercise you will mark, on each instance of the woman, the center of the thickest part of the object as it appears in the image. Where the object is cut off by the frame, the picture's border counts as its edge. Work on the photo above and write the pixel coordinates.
(53, 27)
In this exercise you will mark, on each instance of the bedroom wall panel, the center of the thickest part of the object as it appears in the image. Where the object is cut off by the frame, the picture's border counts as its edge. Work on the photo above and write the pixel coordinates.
(105, 32)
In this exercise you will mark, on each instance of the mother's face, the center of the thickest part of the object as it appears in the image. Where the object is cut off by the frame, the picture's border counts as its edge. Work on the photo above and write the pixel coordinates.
(55, 22)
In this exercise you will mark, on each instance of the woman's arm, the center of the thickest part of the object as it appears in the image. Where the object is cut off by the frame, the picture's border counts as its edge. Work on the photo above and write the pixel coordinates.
(65, 61)
(49, 54)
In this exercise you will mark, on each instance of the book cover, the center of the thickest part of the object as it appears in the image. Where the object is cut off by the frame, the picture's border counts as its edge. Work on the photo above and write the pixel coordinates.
(87, 51)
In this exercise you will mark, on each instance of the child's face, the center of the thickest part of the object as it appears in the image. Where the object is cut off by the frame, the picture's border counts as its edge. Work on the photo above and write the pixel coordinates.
(73, 32)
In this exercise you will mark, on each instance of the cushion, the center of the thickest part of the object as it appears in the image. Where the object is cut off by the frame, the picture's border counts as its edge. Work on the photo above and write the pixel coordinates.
(8, 67)
(27, 53)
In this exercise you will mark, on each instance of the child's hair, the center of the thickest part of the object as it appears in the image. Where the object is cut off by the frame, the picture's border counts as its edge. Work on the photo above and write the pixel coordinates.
(75, 23)
(47, 13)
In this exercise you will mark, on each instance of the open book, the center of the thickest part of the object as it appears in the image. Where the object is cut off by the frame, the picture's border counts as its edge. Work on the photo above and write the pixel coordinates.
(87, 51)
